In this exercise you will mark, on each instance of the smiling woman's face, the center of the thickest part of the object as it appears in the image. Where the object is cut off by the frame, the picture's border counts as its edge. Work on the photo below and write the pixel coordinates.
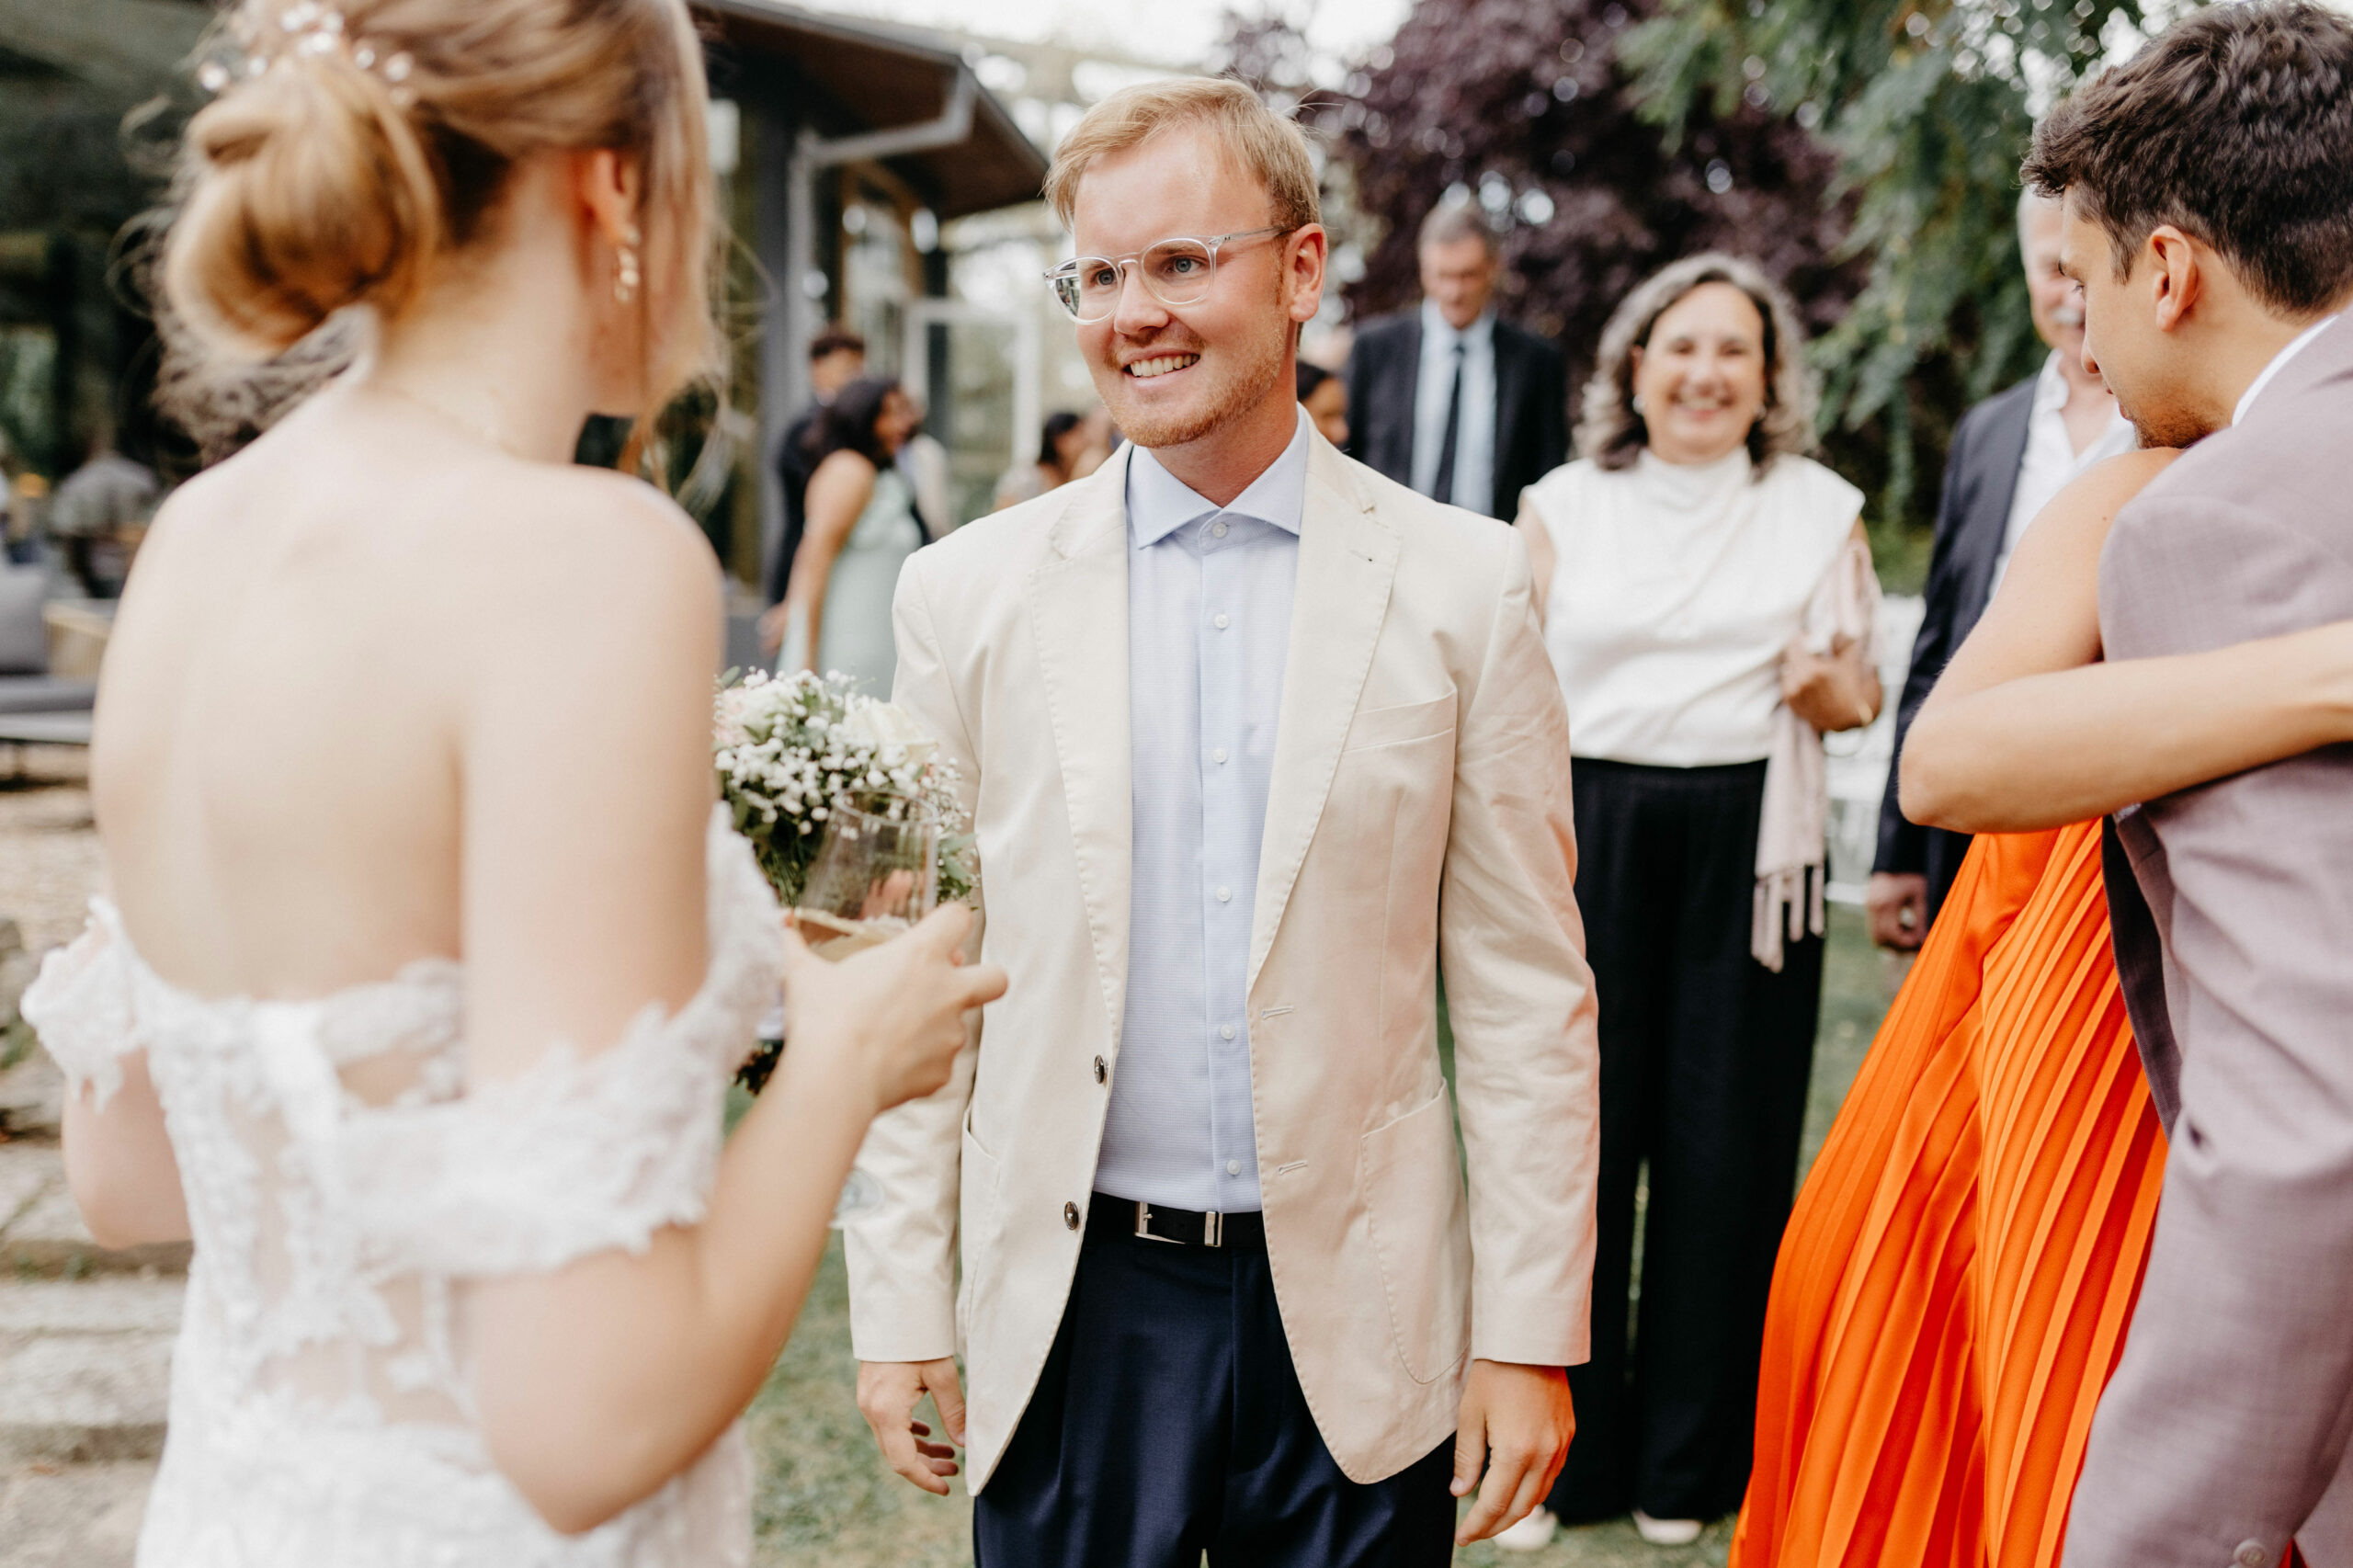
(1173, 374)
(1701, 377)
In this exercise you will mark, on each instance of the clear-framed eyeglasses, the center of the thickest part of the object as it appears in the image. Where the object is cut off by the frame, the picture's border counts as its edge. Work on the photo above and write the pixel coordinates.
(1175, 271)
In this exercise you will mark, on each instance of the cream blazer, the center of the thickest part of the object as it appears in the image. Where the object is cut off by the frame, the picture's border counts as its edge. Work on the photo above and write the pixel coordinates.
(1418, 818)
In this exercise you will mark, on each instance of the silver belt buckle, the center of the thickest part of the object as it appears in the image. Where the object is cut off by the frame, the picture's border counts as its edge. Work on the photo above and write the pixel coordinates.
(1213, 1230)
(1143, 1226)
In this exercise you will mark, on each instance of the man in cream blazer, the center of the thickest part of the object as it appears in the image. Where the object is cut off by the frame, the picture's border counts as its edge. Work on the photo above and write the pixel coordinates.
(1257, 743)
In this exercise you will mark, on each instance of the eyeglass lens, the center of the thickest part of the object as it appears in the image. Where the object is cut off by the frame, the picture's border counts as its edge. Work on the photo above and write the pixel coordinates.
(1177, 272)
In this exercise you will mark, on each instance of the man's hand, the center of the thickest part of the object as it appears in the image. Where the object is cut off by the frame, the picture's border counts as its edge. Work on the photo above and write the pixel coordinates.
(888, 1392)
(1521, 1416)
(1897, 902)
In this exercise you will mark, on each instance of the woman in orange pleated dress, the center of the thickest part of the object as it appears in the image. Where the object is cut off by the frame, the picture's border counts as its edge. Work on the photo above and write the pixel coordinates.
(1958, 1273)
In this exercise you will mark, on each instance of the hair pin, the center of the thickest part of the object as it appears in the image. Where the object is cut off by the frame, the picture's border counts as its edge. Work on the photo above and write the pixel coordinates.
(313, 30)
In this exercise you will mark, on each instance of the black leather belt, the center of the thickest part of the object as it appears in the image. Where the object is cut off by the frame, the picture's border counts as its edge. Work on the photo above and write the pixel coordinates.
(1109, 1217)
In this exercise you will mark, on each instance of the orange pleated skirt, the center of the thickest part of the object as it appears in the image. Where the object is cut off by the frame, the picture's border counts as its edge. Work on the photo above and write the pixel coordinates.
(1954, 1286)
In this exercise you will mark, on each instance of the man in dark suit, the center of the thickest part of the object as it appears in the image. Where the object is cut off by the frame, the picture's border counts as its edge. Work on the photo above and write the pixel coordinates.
(2009, 456)
(1448, 400)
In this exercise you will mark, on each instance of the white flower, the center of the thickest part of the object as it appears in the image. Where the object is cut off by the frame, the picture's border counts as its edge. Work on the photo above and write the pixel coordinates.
(882, 725)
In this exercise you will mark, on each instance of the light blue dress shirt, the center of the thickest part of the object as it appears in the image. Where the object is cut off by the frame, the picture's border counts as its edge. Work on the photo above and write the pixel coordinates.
(1474, 434)
(1209, 631)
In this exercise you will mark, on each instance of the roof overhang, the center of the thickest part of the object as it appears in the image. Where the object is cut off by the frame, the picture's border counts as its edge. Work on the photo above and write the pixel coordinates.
(856, 77)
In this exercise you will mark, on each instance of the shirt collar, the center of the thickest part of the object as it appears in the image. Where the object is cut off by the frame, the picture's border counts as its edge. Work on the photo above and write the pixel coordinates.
(2050, 386)
(2278, 363)
(1435, 326)
(1159, 503)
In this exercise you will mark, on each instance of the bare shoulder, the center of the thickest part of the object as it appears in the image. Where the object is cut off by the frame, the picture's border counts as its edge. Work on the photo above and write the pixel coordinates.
(591, 548)
(2085, 511)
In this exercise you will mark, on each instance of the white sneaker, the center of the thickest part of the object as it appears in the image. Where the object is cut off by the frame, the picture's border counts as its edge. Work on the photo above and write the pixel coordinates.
(1533, 1533)
(1667, 1532)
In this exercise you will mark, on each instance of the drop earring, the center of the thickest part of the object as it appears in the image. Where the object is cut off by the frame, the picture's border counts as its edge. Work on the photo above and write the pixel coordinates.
(1638, 405)
(626, 277)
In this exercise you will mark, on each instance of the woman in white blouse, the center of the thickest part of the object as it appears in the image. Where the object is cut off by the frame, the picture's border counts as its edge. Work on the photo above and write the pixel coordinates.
(1710, 610)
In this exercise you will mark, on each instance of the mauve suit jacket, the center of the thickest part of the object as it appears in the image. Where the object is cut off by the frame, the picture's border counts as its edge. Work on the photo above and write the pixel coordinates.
(1418, 818)
(2226, 1423)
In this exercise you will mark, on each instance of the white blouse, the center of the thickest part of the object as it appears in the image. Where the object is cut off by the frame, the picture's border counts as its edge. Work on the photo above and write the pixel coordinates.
(1675, 590)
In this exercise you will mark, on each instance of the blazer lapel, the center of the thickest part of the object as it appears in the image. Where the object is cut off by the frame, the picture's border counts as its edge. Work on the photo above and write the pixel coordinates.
(1347, 559)
(1078, 610)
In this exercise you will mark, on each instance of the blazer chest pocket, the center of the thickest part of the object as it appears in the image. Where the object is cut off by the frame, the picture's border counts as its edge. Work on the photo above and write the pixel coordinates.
(1402, 723)
(1413, 1186)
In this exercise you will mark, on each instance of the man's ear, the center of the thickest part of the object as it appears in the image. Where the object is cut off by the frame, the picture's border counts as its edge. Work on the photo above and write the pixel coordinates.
(1310, 251)
(2177, 278)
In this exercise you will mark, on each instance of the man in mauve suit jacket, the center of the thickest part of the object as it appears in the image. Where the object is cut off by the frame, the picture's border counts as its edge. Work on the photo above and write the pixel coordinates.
(2223, 1433)
(1508, 406)
(1257, 744)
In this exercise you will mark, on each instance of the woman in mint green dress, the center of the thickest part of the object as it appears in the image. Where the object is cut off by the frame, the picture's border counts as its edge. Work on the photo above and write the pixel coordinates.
(862, 527)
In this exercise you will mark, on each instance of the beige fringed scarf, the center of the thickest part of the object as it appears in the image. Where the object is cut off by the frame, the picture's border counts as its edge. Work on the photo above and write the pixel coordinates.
(1792, 834)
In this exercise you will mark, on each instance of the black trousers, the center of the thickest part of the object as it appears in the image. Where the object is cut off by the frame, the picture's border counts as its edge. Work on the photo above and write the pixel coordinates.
(1705, 1055)
(1169, 1422)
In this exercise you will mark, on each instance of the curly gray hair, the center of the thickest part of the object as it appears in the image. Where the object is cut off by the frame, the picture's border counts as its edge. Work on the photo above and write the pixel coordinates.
(1612, 434)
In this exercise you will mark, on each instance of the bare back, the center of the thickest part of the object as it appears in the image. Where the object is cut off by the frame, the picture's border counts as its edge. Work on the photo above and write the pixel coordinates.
(322, 634)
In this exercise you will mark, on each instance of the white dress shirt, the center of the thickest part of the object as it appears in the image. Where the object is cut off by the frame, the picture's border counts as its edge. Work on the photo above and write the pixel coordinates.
(2051, 462)
(2279, 362)
(1209, 631)
(1474, 434)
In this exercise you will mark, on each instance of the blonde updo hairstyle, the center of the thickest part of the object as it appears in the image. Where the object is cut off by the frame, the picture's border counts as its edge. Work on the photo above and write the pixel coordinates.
(355, 148)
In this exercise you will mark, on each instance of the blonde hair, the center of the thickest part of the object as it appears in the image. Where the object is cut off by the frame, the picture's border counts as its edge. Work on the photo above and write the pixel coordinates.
(1612, 434)
(355, 146)
(1265, 144)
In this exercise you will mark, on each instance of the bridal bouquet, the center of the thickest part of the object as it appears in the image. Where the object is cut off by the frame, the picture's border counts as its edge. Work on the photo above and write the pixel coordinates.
(792, 752)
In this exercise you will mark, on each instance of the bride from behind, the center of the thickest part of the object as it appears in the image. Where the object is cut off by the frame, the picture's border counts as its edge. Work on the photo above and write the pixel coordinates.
(430, 961)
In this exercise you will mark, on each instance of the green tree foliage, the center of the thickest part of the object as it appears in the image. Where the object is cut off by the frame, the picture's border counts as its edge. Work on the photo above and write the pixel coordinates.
(1930, 106)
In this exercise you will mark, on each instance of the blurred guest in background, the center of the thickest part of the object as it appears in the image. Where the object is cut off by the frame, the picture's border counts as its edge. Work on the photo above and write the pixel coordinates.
(836, 357)
(2009, 456)
(1325, 398)
(1448, 399)
(1710, 612)
(1061, 445)
(98, 515)
(862, 527)
(924, 461)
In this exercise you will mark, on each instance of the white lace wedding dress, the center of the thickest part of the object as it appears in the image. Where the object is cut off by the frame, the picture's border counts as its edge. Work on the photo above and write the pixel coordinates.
(321, 1407)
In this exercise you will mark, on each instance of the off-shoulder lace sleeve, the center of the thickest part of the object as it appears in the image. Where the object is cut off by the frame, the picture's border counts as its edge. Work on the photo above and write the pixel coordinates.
(80, 1005)
(575, 1156)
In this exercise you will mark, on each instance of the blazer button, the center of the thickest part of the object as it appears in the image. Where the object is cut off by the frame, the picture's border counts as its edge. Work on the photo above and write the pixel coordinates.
(1100, 1072)
(2250, 1554)
(1070, 1216)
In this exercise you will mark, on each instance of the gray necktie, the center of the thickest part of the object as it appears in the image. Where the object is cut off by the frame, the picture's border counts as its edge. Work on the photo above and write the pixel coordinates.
(1442, 486)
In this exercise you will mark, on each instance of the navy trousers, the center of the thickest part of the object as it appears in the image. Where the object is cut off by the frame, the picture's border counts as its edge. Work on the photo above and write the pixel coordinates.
(1168, 1422)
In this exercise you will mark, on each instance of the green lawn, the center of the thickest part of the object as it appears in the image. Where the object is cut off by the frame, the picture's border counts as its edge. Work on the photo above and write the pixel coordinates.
(825, 1501)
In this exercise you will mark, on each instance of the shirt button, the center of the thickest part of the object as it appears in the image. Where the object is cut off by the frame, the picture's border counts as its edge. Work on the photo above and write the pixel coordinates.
(1221, 623)
(2250, 1554)
(1225, 895)
(1070, 1216)
(1226, 1032)
(1217, 531)
(1100, 1071)
(1233, 1167)
(1218, 756)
